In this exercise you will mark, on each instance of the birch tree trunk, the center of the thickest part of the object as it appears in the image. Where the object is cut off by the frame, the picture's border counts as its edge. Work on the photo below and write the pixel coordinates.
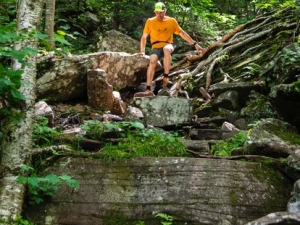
(17, 138)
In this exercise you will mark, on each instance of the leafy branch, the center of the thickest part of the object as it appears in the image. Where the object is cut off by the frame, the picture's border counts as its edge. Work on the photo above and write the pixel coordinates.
(38, 187)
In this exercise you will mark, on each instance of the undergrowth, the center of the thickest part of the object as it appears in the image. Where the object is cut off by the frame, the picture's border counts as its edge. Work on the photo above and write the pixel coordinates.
(224, 148)
(148, 142)
(42, 134)
(134, 140)
(42, 186)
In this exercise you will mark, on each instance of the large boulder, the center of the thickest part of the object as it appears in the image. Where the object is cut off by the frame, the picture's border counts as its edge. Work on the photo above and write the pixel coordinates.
(271, 137)
(162, 111)
(193, 191)
(66, 79)
(115, 41)
(101, 94)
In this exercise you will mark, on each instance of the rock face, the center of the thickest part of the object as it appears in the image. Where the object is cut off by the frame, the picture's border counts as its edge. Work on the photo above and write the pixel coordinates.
(67, 78)
(100, 93)
(280, 218)
(115, 41)
(193, 191)
(162, 110)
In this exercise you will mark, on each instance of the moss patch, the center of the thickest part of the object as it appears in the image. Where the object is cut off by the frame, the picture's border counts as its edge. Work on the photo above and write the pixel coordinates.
(279, 186)
(284, 133)
(232, 198)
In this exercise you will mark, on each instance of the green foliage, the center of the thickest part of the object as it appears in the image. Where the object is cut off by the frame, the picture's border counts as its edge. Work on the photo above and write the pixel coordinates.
(137, 141)
(39, 187)
(296, 86)
(20, 221)
(259, 108)
(16, 221)
(96, 130)
(167, 218)
(285, 133)
(148, 142)
(10, 80)
(232, 198)
(251, 70)
(290, 57)
(224, 148)
(93, 129)
(42, 134)
(273, 4)
(125, 127)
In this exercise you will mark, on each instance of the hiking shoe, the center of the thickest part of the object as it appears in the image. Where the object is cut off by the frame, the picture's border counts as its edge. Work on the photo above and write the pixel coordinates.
(165, 81)
(146, 93)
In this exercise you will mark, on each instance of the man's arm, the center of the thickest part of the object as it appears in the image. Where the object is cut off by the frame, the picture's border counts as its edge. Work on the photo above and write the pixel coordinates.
(188, 38)
(143, 43)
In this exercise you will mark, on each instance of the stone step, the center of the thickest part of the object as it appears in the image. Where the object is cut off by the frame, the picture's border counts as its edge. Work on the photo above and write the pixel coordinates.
(210, 134)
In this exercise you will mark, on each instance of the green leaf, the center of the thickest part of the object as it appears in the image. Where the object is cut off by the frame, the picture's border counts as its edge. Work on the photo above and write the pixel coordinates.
(138, 125)
(65, 177)
(26, 168)
(52, 179)
(72, 183)
(36, 199)
(5, 82)
(69, 181)
(19, 55)
(41, 36)
(111, 126)
(30, 51)
(61, 32)
(62, 41)
(22, 180)
(17, 95)
(33, 181)
(15, 75)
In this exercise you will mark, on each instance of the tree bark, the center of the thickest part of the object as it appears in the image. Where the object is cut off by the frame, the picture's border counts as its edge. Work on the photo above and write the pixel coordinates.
(49, 21)
(17, 138)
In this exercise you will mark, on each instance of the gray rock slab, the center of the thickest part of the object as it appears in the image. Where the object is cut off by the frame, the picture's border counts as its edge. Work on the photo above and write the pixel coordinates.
(193, 191)
(163, 110)
(279, 218)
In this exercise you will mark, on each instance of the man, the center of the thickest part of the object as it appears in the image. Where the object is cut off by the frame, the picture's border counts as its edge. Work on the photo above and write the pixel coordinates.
(161, 29)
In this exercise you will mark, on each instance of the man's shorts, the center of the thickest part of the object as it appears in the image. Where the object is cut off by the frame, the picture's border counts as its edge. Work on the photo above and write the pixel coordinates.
(160, 51)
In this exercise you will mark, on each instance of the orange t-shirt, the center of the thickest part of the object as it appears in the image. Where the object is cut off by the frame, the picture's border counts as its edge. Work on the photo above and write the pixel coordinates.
(161, 31)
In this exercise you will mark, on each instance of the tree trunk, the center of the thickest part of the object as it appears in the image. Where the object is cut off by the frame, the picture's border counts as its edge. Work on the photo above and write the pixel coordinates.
(17, 138)
(49, 21)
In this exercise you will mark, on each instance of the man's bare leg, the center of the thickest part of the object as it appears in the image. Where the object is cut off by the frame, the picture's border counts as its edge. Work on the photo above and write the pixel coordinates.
(168, 49)
(151, 71)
